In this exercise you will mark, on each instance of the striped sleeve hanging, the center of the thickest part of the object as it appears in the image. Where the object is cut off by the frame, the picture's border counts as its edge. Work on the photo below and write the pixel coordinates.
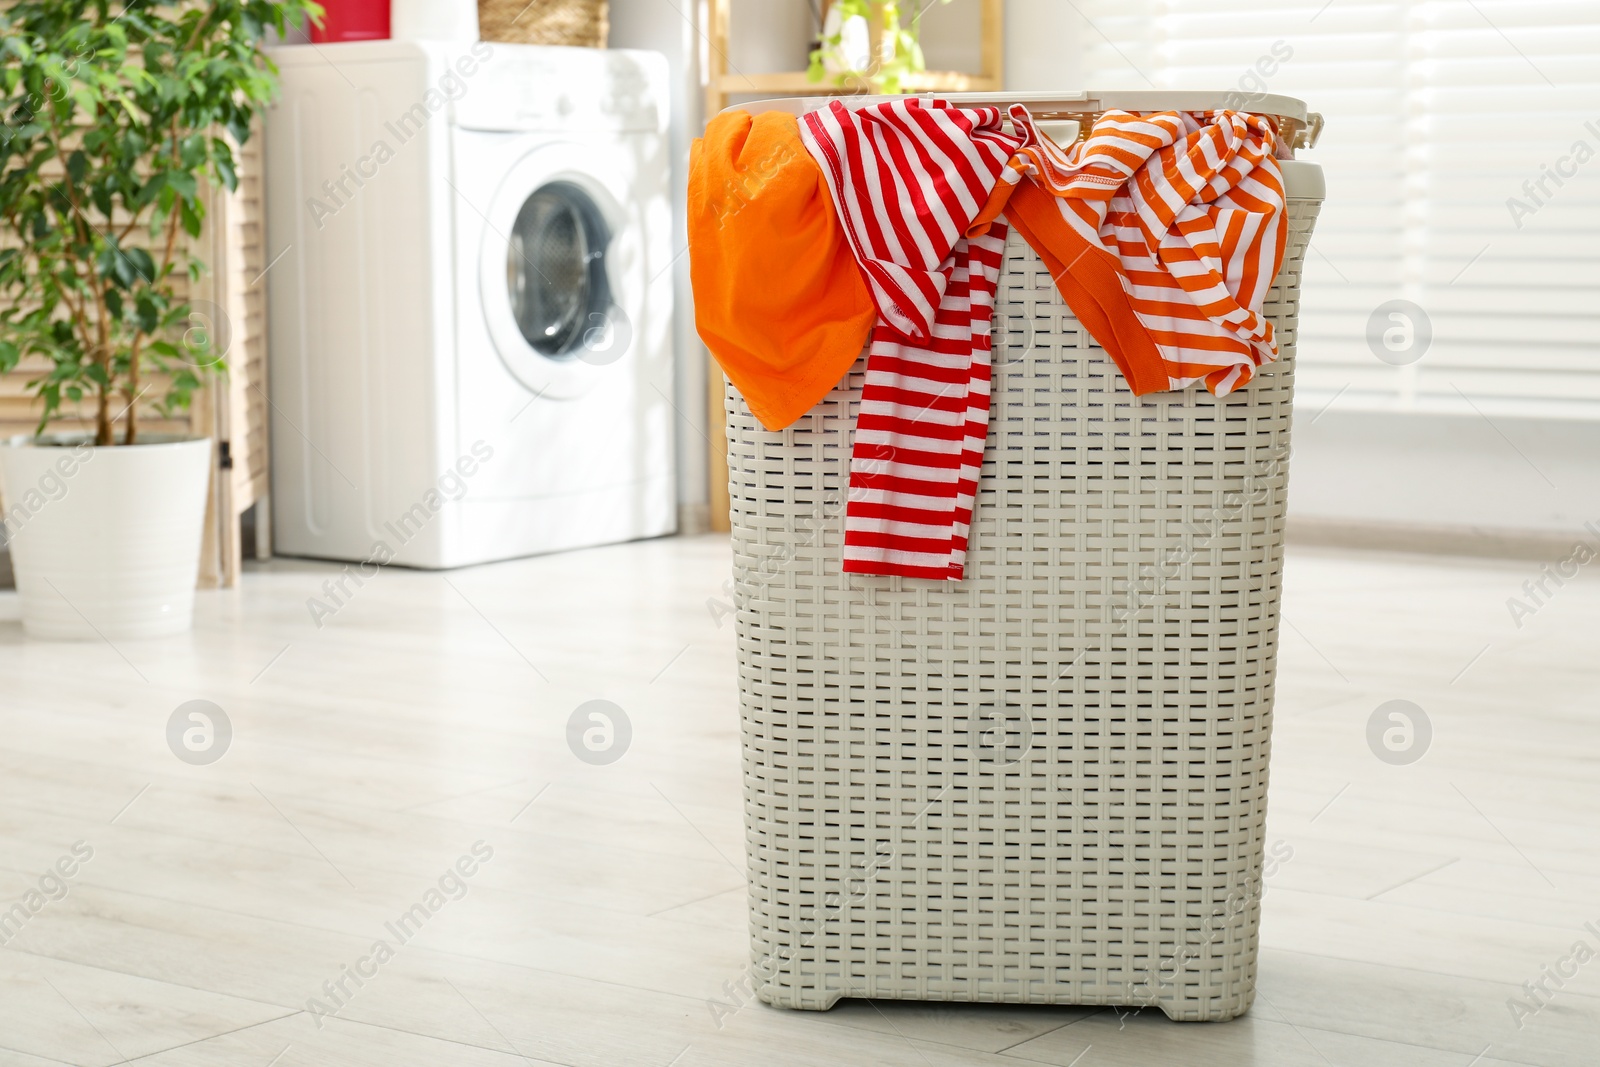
(908, 177)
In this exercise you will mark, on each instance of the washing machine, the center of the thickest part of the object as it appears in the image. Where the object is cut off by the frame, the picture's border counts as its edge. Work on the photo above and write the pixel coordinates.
(469, 301)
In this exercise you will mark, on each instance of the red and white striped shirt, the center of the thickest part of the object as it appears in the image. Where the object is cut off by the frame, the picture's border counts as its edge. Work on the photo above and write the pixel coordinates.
(908, 177)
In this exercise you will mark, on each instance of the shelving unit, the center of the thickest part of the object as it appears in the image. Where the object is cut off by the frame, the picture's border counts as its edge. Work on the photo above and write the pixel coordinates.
(722, 84)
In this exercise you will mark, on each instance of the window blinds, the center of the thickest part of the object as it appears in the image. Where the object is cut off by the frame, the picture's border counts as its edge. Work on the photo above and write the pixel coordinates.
(1462, 155)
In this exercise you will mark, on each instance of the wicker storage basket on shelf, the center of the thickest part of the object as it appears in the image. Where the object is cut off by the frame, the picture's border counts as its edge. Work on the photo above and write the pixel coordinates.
(1045, 783)
(581, 23)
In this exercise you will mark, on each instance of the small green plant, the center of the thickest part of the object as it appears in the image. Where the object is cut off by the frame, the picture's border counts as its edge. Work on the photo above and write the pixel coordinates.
(114, 118)
(897, 52)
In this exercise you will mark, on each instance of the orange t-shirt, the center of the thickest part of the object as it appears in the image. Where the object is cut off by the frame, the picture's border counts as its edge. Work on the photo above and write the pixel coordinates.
(778, 297)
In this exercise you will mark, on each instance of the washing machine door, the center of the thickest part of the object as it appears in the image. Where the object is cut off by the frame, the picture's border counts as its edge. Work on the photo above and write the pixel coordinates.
(557, 246)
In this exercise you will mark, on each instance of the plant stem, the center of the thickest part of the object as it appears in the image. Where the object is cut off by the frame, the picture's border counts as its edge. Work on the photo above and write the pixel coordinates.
(102, 420)
(131, 434)
(100, 348)
(102, 358)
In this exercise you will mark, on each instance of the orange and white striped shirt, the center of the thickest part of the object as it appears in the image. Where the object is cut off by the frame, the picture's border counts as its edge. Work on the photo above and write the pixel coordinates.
(1164, 232)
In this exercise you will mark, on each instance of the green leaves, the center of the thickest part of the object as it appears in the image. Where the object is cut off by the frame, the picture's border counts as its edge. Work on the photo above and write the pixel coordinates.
(193, 213)
(239, 129)
(112, 126)
(129, 269)
(223, 155)
(144, 267)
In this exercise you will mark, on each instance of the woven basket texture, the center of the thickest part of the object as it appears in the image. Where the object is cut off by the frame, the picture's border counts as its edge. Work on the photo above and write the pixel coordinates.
(582, 23)
(1045, 783)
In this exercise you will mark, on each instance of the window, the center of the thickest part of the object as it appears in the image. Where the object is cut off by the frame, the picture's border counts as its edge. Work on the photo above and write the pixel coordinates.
(1462, 155)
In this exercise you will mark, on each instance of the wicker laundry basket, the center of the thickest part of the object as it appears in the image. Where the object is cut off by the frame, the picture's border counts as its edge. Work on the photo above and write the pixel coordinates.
(1045, 783)
(583, 23)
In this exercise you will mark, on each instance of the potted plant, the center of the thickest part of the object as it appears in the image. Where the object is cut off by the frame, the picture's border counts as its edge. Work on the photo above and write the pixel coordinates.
(847, 53)
(115, 120)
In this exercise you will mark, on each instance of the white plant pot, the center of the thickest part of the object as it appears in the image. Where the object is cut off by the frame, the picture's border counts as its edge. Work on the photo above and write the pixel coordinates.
(104, 541)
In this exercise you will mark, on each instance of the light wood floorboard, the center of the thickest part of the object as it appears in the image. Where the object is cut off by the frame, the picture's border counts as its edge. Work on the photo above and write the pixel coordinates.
(429, 714)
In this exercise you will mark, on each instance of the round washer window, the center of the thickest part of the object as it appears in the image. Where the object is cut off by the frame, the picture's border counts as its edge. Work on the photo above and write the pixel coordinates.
(555, 269)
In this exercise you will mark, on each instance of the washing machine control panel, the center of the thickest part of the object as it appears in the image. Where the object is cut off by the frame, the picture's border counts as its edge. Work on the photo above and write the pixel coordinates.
(527, 88)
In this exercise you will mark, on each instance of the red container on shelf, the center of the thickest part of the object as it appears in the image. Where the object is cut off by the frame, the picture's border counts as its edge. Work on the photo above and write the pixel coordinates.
(352, 20)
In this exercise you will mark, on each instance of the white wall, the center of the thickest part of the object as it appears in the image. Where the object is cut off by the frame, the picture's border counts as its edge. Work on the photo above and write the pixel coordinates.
(770, 35)
(1044, 46)
(657, 25)
(1453, 481)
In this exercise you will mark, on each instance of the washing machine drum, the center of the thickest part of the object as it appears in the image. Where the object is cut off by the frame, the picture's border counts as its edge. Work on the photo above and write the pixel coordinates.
(548, 285)
(556, 270)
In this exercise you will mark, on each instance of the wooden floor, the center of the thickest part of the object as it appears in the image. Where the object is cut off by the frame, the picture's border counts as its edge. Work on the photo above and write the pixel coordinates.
(429, 714)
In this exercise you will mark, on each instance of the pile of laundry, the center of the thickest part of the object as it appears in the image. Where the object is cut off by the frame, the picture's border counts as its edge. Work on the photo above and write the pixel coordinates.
(810, 235)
